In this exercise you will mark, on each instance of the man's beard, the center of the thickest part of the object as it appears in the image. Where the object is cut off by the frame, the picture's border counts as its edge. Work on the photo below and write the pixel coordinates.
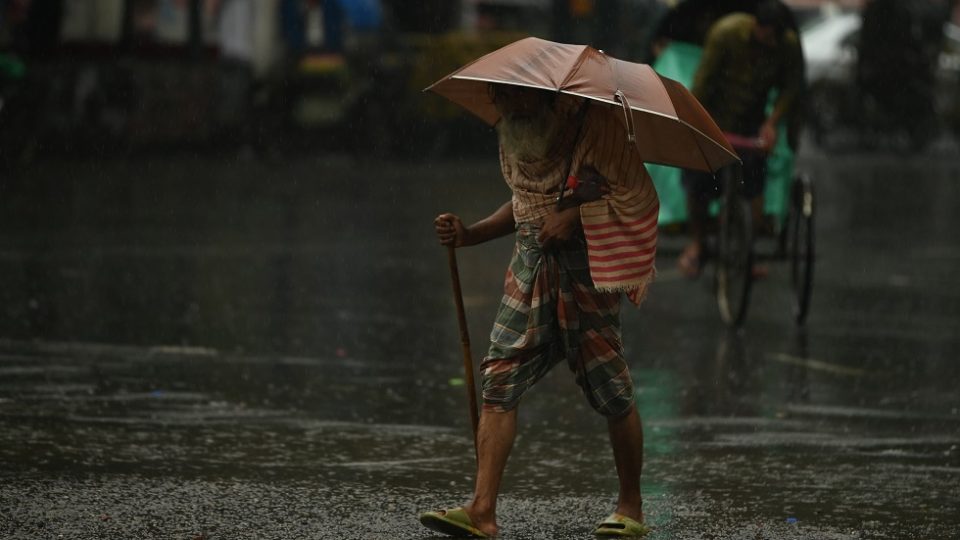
(529, 138)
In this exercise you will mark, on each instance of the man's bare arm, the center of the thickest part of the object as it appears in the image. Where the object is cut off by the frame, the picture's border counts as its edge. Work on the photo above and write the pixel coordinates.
(451, 231)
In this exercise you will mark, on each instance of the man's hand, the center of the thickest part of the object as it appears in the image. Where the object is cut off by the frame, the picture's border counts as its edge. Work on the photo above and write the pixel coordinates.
(450, 230)
(768, 136)
(559, 226)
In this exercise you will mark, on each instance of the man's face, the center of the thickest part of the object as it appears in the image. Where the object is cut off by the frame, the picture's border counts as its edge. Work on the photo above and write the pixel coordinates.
(528, 125)
(518, 103)
(765, 34)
